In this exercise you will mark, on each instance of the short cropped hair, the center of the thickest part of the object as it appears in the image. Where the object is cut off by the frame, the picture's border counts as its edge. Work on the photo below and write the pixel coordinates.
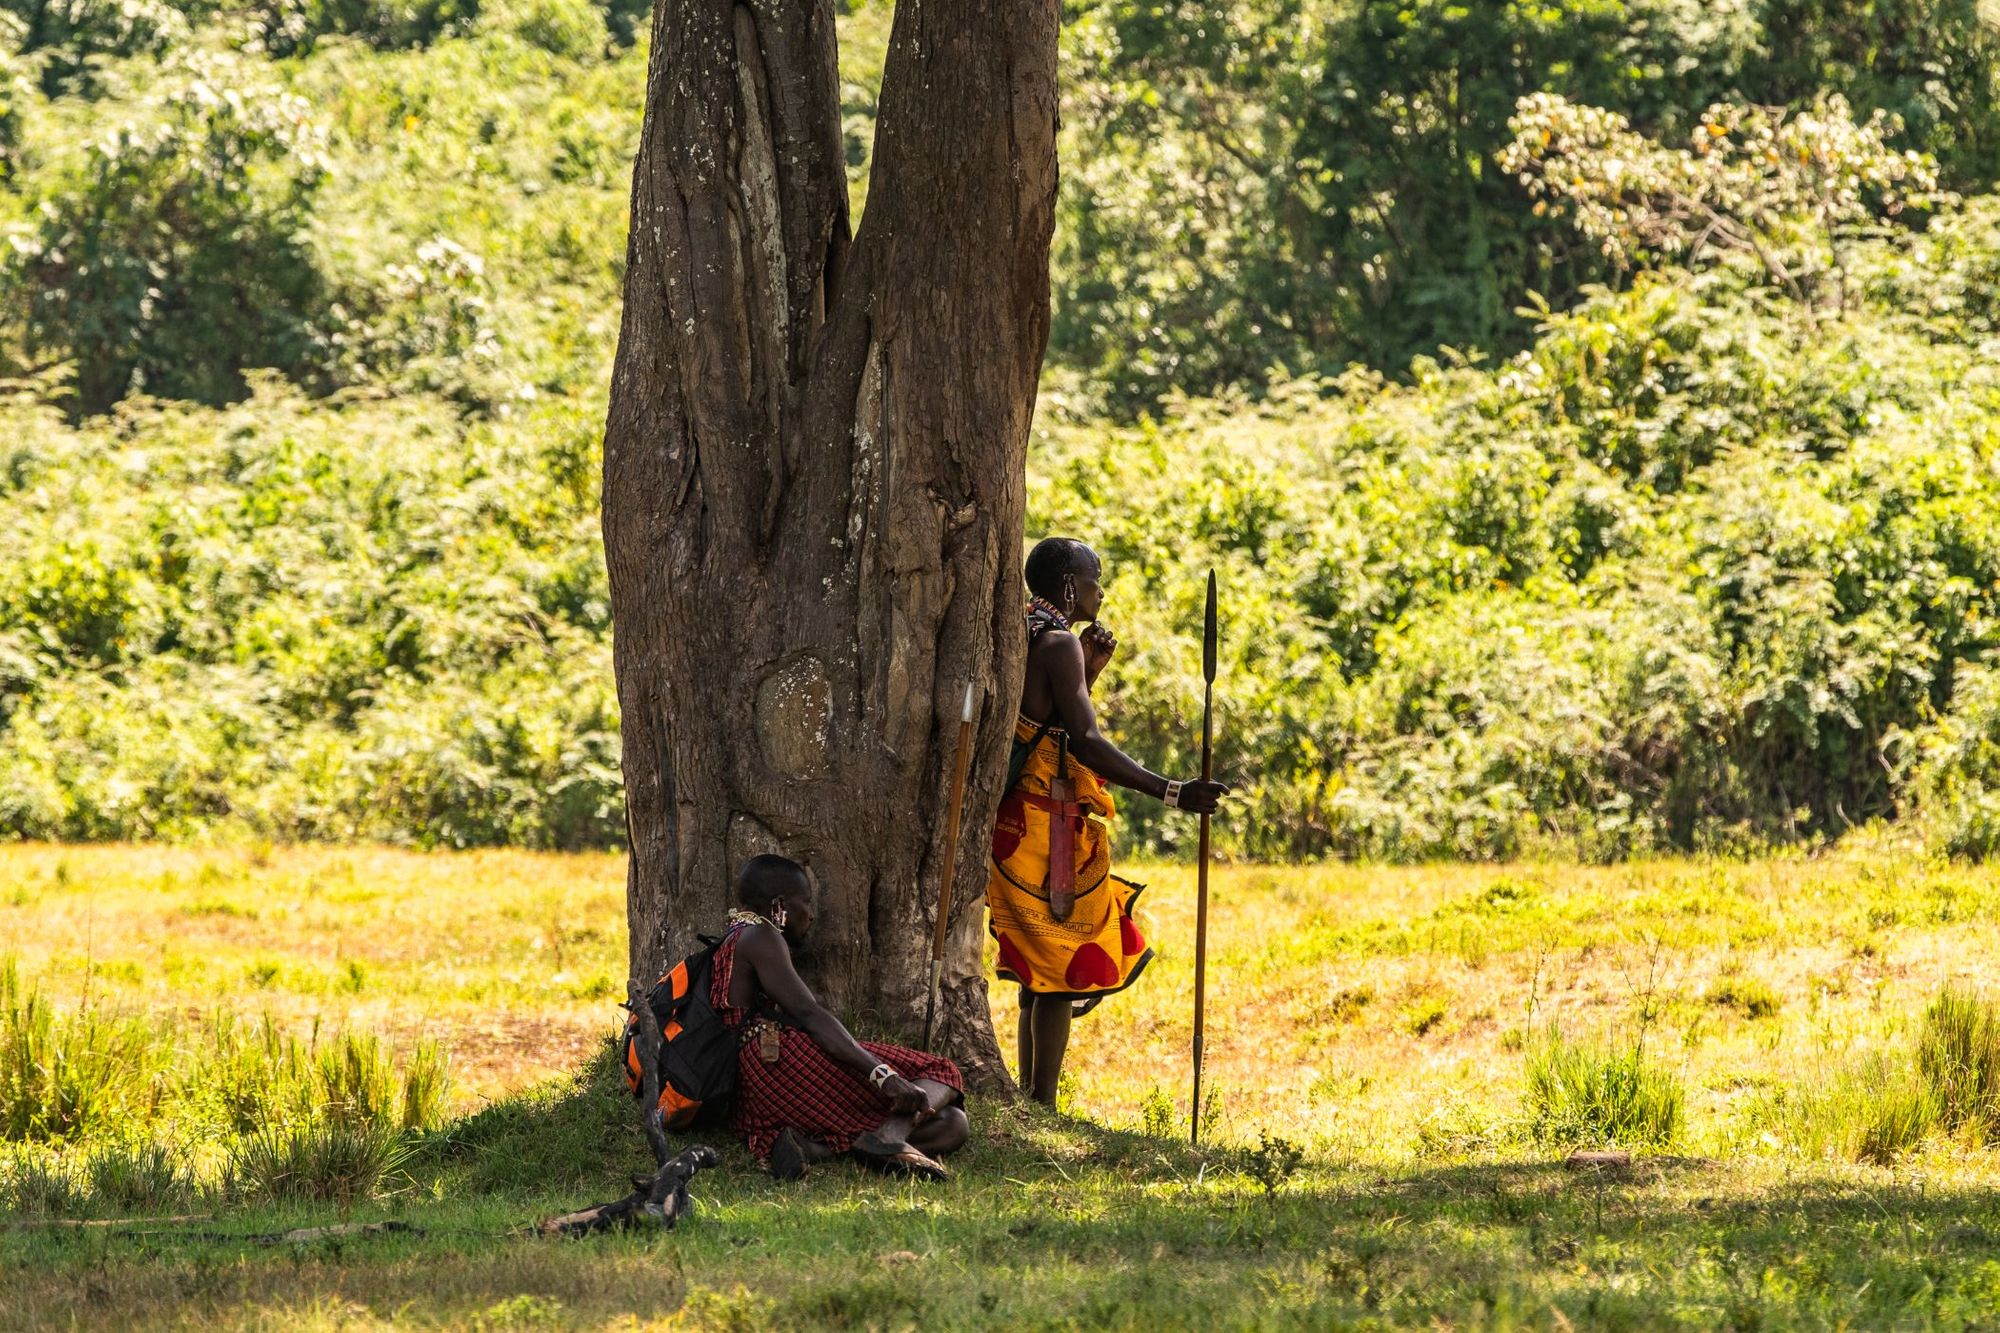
(1053, 560)
(766, 877)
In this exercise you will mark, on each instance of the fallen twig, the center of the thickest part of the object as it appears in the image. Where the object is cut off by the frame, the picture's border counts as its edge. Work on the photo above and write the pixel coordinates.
(104, 1221)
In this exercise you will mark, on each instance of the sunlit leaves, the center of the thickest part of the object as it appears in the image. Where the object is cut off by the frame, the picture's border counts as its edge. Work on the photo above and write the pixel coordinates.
(1781, 189)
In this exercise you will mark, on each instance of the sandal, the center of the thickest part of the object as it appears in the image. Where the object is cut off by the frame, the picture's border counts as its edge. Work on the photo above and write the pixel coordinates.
(893, 1157)
(788, 1155)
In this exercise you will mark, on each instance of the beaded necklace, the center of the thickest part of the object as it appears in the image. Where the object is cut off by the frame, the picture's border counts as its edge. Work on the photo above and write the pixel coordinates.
(1047, 609)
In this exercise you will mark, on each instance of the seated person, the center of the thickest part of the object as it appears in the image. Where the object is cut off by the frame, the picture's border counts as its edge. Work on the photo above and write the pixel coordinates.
(806, 1089)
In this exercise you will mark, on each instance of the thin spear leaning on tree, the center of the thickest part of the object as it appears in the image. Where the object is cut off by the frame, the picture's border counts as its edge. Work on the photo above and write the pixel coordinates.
(957, 808)
(1208, 636)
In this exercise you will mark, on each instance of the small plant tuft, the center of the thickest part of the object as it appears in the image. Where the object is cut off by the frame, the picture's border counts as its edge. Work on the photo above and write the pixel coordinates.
(140, 1176)
(1746, 995)
(1424, 1015)
(1274, 1161)
(1873, 1112)
(1958, 1061)
(64, 1075)
(1590, 1096)
(328, 1159)
(40, 1184)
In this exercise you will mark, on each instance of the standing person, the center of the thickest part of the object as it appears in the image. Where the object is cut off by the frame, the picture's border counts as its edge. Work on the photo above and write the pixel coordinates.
(1062, 920)
(806, 1089)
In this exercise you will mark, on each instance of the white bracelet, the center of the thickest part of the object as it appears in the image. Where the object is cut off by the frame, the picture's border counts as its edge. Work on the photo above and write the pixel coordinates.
(1173, 796)
(879, 1075)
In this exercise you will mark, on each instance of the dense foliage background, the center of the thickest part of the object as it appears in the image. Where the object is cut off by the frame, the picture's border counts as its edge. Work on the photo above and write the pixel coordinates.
(1593, 407)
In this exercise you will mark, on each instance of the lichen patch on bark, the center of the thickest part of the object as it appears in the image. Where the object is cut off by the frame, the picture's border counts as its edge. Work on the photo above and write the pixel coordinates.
(794, 706)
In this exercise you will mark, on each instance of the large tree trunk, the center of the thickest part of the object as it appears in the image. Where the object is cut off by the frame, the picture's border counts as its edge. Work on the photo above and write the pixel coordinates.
(814, 477)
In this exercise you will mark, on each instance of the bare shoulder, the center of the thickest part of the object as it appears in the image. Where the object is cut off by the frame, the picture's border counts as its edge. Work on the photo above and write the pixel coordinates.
(1054, 645)
(761, 943)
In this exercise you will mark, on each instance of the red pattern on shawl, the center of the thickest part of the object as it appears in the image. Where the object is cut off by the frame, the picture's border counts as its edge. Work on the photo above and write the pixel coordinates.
(805, 1089)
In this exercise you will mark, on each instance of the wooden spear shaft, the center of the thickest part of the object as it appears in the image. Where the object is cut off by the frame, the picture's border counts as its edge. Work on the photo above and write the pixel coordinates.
(1208, 636)
(956, 808)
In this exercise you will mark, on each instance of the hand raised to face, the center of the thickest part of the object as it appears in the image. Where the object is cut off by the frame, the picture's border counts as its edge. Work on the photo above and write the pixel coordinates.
(1099, 645)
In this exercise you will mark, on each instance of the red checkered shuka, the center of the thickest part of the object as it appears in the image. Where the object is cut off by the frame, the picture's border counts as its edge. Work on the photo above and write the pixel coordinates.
(805, 1089)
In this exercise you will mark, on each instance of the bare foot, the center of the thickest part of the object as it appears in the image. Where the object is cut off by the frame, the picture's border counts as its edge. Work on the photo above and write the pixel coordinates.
(894, 1156)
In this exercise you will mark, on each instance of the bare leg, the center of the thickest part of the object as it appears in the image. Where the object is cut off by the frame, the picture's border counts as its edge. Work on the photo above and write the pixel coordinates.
(943, 1133)
(902, 1145)
(904, 1129)
(1050, 1022)
(1024, 1040)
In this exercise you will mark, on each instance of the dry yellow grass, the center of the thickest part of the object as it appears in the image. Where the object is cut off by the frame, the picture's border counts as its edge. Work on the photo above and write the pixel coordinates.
(1359, 1011)
(513, 959)
(1379, 1019)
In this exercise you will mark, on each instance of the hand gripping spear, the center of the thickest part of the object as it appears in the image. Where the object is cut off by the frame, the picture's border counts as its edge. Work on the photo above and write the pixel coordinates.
(1201, 857)
(950, 857)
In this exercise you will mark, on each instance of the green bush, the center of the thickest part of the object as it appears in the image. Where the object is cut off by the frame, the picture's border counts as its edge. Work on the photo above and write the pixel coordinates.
(1309, 183)
(1873, 1113)
(137, 1177)
(1892, 1102)
(323, 1120)
(109, 1112)
(1695, 569)
(1314, 182)
(1955, 766)
(1589, 1096)
(71, 40)
(1930, 62)
(174, 258)
(574, 29)
(346, 641)
(295, 27)
(251, 1076)
(1691, 573)
(40, 1184)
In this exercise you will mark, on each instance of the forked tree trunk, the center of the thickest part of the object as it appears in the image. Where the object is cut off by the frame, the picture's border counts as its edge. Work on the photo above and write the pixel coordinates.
(814, 477)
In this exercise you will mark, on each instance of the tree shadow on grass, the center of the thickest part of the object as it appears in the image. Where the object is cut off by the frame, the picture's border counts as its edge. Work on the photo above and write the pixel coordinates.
(580, 1132)
(1055, 1222)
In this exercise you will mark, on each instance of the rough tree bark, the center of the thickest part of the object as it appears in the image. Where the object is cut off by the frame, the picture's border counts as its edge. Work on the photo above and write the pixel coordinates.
(814, 476)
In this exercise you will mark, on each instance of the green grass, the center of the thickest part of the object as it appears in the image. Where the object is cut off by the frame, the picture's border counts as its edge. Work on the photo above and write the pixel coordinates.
(67, 1075)
(1602, 1097)
(1958, 1061)
(1746, 995)
(1387, 1111)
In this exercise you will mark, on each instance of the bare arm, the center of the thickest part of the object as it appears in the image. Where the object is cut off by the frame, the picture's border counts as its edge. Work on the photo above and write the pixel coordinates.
(1060, 654)
(770, 960)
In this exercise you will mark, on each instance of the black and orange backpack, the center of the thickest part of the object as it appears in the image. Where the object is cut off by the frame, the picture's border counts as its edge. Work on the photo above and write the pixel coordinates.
(698, 1053)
